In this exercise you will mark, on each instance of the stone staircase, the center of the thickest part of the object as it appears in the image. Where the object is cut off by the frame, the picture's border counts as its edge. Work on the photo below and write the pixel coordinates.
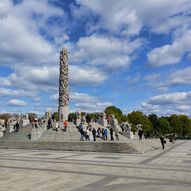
(69, 140)
(71, 134)
(22, 135)
(147, 145)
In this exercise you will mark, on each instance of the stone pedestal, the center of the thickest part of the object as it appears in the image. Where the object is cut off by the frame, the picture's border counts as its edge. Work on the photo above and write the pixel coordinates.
(102, 122)
(78, 121)
(63, 112)
(130, 135)
(1, 133)
(10, 128)
(23, 122)
(35, 134)
(2, 129)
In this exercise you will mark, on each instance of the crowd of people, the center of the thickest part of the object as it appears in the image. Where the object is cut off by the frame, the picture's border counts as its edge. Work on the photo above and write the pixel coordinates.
(90, 133)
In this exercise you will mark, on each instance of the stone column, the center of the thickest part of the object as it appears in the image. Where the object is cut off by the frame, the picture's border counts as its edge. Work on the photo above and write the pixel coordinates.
(63, 108)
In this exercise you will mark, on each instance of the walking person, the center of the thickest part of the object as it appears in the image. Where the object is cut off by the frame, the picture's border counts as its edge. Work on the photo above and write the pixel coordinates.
(81, 130)
(94, 134)
(98, 132)
(117, 134)
(17, 126)
(140, 133)
(105, 134)
(87, 134)
(111, 134)
(49, 123)
(56, 126)
(162, 141)
(65, 125)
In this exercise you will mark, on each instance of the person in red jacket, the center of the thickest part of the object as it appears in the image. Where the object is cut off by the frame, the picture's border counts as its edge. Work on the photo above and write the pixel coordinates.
(65, 125)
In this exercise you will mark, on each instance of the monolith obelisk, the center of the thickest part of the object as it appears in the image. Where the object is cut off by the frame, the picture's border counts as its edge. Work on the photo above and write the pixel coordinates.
(63, 108)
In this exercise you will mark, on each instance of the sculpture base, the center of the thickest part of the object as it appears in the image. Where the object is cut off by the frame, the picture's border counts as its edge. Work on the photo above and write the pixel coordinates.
(63, 113)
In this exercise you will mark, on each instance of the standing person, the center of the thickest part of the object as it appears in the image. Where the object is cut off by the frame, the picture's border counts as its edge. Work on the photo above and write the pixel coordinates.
(140, 133)
(162, 141)
(49, 123)
(105, 134)
(33, 123)
(98, 131)
(17, 126)
(102, 133)
(56, 126)
(111, 133)
(87, 134)
(94, 134)
(65, 125)
(117, 134)
(108, 120)
(81, 129)
(36, 123)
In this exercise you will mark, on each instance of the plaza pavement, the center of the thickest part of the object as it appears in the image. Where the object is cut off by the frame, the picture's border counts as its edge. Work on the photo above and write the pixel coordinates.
(44, 170)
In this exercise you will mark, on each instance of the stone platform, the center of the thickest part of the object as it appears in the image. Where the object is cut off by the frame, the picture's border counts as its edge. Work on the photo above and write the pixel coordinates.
(47, 170)
(69, 140)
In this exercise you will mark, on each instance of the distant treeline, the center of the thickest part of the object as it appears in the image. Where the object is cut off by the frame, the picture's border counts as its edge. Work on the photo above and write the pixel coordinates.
(152, 124)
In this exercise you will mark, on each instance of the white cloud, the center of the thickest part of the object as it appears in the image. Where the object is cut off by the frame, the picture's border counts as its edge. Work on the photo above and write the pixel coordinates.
(77, 97)
(33, 78)
(85, 102)
(21, 43)
(109, 52)
(82, 98)
(4, 8)
(179, 77)
(169, 103)
(45, 78)
(171, 98)
(171, 53)
(86, 75)
(172, 23)
(16, 102)
(89, 107)
(17, 93)
(152, 77)
(129, 17)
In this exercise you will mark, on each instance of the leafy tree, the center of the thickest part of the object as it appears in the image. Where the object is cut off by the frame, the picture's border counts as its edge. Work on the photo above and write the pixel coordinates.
(175, 123)
(55, 116)
(124, 118)
(114, 110)
(154, 119)
(163, 126)
(72, 117)
(5, 116)
(137, 117)
(32, 116)
(185, 124)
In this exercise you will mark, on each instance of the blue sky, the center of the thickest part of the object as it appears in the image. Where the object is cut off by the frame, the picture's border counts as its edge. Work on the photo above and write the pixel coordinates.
(132, 54)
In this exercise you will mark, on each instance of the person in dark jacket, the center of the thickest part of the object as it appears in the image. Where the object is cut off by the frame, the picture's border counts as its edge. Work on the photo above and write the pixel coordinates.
(94, 134)
(111, 134)
(17, 127)
(162, 141)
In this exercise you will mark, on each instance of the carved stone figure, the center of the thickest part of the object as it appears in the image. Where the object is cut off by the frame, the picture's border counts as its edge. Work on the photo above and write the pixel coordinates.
(63, 108)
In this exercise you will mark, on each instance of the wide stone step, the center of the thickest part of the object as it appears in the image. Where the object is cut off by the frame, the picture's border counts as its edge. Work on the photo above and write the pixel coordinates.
(70, 146)
(22, 135)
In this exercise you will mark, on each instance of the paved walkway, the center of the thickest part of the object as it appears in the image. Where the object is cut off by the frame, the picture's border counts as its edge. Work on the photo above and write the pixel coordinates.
(26, 170)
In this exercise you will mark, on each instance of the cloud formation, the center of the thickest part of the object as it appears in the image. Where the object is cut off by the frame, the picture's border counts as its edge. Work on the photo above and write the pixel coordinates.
(109, 42)
(177, 102)
(16, 102)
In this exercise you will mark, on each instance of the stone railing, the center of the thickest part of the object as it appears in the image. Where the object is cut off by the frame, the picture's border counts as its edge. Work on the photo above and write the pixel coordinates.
(36, 133)
(2, 129)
